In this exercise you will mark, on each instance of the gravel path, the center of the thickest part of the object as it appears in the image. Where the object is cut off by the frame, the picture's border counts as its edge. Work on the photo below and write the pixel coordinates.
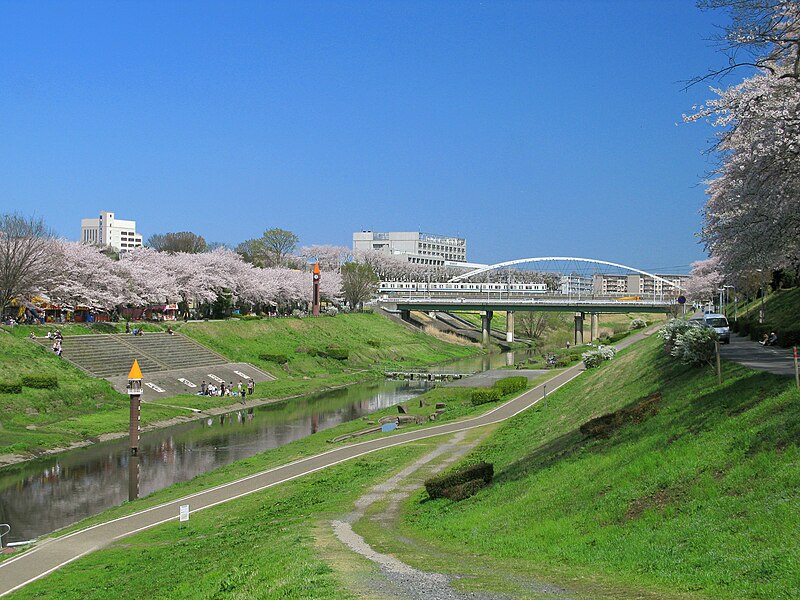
(400, 580)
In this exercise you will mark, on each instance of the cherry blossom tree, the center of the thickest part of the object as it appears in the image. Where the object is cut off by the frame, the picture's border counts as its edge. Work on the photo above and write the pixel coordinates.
(704, 279)
(85, 276)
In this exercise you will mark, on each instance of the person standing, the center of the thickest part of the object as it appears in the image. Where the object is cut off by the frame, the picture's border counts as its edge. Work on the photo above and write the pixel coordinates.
(251, 387)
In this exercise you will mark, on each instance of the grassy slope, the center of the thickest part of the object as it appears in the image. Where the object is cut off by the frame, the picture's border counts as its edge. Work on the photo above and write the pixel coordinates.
(701, 498)
(258, 546)
(83, 408)
(780, 309)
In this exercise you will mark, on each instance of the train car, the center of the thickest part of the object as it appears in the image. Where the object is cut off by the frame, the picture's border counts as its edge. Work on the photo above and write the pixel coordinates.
(461, 289)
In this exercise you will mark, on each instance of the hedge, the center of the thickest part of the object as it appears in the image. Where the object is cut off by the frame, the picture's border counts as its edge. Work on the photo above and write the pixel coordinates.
(464, 490)
(482, 396)
(10, 387)
(337, 353)
(280, 359)
(42, 382)
(437, 486)
(509, 385)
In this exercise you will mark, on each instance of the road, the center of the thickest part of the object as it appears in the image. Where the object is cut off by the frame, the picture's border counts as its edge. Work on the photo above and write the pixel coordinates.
(772, 359)
(53, 553)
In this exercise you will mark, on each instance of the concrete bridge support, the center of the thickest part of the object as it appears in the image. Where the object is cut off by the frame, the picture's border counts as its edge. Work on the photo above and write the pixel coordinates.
(486, 326)
(510, 326)
(579, 316)
(405, 315)
(594, 327)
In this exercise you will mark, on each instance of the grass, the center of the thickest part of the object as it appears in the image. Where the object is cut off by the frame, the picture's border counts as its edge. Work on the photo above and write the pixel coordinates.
(700, 499)
(83, 408)
(781, 316)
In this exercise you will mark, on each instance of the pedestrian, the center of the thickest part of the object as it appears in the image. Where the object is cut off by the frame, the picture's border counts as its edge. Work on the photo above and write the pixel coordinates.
(127, 326)
(203, 388)
(250, 388)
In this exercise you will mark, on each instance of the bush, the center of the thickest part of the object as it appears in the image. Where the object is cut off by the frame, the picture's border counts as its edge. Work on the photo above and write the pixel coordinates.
(437, 486)
(509, 385)
(374, 343)
(337, 353)
(594, 358)
(280, 359)
(483, 396)
(695, 346)
(671, 330)
(464, 490)
(249, 317)
(41, 382)
(10, 387)
(638, 324)
(331, 311)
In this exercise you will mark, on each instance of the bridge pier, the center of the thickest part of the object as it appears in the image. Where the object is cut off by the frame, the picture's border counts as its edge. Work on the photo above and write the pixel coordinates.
(510, 326)
(579, 316)
(486, 326)
(405, 315)
(594, 327)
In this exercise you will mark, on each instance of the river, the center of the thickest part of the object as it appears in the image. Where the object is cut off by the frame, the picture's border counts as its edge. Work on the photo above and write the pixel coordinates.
(46, 494)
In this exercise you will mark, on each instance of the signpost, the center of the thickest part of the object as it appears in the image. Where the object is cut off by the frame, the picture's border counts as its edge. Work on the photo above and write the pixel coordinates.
(135, 392)
(184, 514)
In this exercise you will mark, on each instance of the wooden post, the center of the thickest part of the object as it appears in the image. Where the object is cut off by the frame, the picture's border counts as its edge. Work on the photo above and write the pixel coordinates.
(796, 372)
(719, 363)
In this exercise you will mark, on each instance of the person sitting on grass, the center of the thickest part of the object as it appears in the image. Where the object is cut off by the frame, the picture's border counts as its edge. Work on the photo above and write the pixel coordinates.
(772, 339)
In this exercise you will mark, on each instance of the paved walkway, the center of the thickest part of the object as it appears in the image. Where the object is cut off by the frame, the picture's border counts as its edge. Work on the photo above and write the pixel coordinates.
(772, 359)
(53, 553)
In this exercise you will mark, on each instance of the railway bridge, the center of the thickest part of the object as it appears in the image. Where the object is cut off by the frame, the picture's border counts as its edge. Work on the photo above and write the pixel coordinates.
(577, 293)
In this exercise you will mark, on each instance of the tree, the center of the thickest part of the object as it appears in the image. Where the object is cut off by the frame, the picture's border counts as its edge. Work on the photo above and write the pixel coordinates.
(24, 256)
(278, 244)
(181, 241)
(704, 280)
(752, 216)
(359, 283)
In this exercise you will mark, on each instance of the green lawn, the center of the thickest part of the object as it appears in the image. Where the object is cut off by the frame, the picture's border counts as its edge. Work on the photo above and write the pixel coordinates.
(82, 408)
(701, 498)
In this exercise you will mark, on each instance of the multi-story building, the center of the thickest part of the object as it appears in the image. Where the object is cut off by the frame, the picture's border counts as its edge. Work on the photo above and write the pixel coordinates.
(414, 246)
(576, 285)
(638, 285)
(109, 231)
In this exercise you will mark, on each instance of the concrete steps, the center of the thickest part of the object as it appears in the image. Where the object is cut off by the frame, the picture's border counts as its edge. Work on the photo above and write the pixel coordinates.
(110, 355)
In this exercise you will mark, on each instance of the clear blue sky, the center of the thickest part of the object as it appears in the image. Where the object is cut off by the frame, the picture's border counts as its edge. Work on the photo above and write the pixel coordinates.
(531, 128)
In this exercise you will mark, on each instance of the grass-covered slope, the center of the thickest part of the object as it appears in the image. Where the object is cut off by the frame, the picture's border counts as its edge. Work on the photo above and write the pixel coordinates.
(696, 491)
(371, 342)
(82, 408)
(781, 312)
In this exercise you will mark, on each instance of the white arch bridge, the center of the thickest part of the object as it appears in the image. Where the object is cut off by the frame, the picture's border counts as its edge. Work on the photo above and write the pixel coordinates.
(556, 283)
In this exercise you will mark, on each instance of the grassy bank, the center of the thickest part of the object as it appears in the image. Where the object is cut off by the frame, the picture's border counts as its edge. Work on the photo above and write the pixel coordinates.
(258, 546)
(695, 492)
(81, 409)
(781, 315)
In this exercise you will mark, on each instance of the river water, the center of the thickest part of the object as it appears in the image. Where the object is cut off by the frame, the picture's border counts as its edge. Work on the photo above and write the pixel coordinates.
(41, 496)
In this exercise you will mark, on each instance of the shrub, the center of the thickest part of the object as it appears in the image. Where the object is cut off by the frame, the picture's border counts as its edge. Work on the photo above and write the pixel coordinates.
(638, 324)
(436, 486)
(331, 311)
(594, 358)
(509, 385)
(249, 317)
(337, 353)
(695, 346)
(280, 359)
(374, 343)
(464, 490)
(671, 330)
(483, 396)
(42, 382)
(10, 387)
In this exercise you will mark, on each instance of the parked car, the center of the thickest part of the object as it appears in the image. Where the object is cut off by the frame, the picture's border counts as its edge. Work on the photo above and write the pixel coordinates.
(718, 323)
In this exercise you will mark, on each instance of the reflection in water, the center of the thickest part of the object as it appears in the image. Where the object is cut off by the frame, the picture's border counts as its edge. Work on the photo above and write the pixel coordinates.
(41, 496)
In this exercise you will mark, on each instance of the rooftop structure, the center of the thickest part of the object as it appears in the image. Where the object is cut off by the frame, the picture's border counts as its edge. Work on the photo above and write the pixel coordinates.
(108, 231)
(415, 246)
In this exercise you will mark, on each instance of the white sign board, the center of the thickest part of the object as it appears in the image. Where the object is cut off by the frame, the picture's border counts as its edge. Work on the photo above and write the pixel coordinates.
(184, 512)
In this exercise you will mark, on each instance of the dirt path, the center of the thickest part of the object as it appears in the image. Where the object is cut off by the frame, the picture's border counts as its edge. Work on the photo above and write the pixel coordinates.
(398, 580)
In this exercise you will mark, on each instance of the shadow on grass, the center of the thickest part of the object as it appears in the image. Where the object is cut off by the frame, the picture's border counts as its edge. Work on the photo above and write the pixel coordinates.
(672, 419)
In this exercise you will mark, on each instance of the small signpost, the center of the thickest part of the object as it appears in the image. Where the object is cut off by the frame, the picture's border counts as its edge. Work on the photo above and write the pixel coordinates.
(184, 514)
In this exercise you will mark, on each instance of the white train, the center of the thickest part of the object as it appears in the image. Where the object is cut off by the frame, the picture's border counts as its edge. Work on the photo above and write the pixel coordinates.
(463, 289)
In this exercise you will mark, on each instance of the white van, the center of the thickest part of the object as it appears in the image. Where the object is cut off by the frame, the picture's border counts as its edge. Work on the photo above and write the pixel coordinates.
(718, 323)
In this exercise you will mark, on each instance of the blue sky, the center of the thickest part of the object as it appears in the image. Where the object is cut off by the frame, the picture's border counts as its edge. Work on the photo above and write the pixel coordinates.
(530, 128)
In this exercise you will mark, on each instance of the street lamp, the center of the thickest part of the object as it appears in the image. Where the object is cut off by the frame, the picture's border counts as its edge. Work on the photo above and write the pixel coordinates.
(763, 292)
(735, 301)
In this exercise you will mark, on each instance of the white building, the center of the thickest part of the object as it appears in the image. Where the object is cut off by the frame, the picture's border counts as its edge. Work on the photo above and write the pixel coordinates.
(416, 247)
(108, 231)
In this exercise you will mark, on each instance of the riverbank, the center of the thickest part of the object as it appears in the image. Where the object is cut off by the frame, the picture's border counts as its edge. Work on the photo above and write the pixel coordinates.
(79, 410)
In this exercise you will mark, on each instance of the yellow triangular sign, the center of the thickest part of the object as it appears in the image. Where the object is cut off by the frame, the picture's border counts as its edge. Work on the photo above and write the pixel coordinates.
(136, 372)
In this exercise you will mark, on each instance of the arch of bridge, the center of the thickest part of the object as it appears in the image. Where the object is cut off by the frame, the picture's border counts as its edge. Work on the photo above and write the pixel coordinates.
(521, 261)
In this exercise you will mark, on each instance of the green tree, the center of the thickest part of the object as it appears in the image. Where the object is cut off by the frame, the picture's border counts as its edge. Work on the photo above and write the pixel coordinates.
(359, 283)
(180, 241)
(270, 250)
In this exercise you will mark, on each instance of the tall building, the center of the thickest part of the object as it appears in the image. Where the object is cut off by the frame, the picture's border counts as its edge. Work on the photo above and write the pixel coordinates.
(416, 247)
(108, 231)
(638, 285)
